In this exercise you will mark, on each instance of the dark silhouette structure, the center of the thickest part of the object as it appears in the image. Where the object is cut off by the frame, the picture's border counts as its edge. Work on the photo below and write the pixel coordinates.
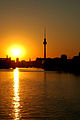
(6, 63)
(45, 43)
(61, 64)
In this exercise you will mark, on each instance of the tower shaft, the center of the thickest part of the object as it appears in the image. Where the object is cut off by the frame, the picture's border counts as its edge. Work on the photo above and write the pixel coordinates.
(44, 43)
(45, 51)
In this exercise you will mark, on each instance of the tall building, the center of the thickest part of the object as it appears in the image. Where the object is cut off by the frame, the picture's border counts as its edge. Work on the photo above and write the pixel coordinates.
(17, 60)
(45, 43)
(79, 54)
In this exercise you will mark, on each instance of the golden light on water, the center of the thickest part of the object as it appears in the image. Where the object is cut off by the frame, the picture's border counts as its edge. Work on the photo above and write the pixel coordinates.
(16, 98)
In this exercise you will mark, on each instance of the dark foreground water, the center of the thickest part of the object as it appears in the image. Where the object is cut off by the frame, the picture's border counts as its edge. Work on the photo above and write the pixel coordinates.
(32, 94)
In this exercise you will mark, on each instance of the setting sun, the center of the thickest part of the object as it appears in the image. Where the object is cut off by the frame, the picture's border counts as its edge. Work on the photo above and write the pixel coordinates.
(16, 51)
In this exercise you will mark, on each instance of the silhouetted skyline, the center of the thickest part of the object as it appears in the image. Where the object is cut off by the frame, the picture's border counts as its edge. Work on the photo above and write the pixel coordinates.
(62, 64)
(22, 24)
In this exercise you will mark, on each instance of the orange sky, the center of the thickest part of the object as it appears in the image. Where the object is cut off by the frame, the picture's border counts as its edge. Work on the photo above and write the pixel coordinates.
(22, 24)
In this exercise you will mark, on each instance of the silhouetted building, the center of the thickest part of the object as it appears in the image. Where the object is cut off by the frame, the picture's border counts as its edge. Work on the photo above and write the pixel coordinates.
(5, 62)
(79, 54)
(17, 60)
(64, 57)
(29, 59)
(6, 56)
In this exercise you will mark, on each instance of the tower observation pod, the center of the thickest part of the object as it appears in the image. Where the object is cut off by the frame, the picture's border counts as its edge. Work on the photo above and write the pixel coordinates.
(45, 43)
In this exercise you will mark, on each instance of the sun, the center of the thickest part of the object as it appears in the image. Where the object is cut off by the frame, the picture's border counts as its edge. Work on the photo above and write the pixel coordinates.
(16, 51)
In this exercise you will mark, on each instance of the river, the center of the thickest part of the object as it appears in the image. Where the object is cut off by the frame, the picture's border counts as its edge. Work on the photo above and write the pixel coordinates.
(35, 94)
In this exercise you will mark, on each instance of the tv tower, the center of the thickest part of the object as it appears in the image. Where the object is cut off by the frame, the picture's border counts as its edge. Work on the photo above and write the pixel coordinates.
(44, 43)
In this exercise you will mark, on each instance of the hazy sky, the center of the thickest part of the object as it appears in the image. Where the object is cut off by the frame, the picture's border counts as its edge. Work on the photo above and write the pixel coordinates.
(22, 24)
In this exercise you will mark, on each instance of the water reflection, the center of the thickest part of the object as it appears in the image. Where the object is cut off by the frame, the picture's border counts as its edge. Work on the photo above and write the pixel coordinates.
(16, 98)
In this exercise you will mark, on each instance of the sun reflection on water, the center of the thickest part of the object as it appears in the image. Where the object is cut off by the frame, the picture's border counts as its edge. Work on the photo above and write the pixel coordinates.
(16, 98)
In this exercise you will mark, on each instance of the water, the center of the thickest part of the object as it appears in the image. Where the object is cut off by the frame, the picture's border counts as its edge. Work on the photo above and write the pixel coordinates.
(32, 94)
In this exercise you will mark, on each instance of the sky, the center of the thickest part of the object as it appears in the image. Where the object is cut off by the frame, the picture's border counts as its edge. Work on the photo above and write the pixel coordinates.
(22, 24)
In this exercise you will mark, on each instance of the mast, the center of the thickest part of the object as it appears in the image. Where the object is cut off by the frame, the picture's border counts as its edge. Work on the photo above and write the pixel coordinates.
(44, 43)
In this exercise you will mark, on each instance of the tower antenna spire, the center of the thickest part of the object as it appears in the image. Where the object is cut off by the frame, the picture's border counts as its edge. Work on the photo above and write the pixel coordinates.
(45, 32)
